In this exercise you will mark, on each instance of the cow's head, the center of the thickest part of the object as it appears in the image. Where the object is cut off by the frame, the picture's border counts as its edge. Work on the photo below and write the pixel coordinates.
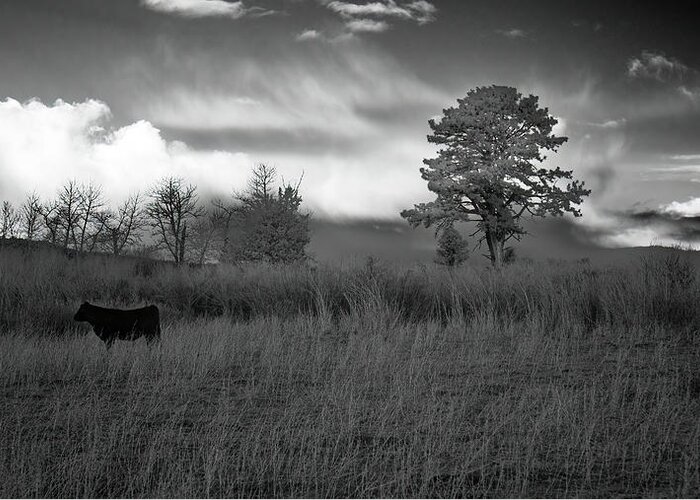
(83, 312)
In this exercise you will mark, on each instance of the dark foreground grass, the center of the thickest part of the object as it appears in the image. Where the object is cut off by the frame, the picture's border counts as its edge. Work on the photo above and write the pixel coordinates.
(368, 401)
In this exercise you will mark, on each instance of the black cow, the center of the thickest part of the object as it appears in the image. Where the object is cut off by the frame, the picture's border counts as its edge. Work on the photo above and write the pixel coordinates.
(112, 324)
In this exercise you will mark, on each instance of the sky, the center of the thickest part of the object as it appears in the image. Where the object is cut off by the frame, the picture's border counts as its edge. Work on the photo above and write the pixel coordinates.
(122, 93)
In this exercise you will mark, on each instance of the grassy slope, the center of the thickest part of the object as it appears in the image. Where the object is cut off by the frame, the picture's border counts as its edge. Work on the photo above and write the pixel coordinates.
(363, 381)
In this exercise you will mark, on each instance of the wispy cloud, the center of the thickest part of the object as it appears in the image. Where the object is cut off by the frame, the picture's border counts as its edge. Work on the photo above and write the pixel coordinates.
(351, 114)
(308, 35)
(513, 33)
(420, 11)
(654, 65)
(375, 16)
(205, 8)
(366, 26)
(690, 157)
(692, 93)
(339, 92)
(583, 23)
(609, 123)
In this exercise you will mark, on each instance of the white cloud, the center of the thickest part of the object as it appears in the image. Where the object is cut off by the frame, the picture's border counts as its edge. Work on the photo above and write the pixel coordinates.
(204, 8)
(185, 108)
(513, 33)
(42, 146)
(369, 9)
(671, 172)
(373, 16)
(307, 35)
(692, 93)
(560, 127)
(421, 11)
(609, 123)
(424, 9)
(619, 231)
(641, 237)
(689, 208)
(692, 157)
(653, 65)
(366, 26)
(331, 93)
(377, 182)
(363, 115)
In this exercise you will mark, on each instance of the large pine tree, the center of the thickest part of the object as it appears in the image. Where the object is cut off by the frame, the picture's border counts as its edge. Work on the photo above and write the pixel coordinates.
(487, 170)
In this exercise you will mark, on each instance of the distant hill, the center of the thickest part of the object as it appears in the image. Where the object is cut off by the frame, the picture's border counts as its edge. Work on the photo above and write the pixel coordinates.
(391, 241)
(20, 243)
(396, 241)
(48, 247)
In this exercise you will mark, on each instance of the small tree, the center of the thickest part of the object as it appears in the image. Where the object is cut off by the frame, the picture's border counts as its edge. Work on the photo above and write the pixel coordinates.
(486, 171)
(123, 227)
(90, 217)
(51, 221)
(267, 222)
(69, 212)
(207, 236)
(223, 213)
(452, 249)
(9, 220)
(172, 209)
(30, 212)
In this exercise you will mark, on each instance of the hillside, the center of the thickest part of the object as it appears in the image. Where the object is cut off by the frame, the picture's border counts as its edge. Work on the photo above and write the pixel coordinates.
(366, 379)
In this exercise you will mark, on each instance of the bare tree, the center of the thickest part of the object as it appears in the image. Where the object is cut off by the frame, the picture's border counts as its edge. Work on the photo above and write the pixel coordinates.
(70, 209)
(173, 205)
(9, 220)
(51, 220)
(208, 235)
(224, 214)
(90, 224)
(30, 213)
(122, 228)
(261, 185)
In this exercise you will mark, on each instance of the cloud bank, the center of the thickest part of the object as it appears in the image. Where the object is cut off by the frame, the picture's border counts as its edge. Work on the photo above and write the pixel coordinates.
(684, 209)
(42, 146)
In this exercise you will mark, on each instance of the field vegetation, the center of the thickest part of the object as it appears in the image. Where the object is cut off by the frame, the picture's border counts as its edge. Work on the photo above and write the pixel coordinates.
(359, 380)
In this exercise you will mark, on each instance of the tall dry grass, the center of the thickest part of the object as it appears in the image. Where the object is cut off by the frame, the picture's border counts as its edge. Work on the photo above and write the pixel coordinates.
(42, 290)
(362, 381)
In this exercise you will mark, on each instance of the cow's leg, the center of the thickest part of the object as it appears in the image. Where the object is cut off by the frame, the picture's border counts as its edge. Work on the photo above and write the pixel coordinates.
(103, 336)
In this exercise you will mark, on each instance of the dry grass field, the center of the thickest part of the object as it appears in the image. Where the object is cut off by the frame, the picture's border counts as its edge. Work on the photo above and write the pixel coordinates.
(360, 380)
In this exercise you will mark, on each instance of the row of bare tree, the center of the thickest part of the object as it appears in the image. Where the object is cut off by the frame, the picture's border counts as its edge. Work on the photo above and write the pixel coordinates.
(257, 224)
(78, 217)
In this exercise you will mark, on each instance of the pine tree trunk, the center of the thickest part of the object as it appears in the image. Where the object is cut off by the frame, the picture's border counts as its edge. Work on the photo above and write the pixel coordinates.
(495, 248)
